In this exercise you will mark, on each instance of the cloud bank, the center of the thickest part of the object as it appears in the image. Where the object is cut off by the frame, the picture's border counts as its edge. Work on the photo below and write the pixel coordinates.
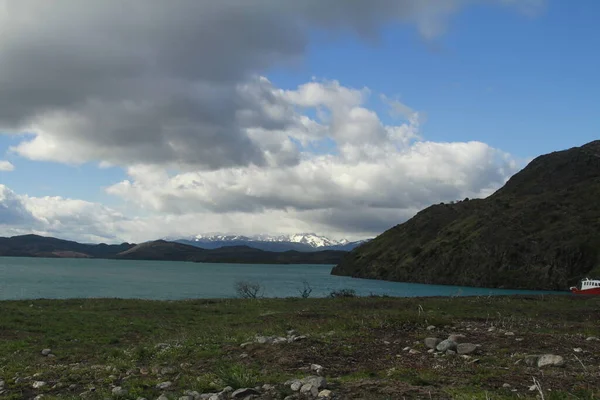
(176, 95)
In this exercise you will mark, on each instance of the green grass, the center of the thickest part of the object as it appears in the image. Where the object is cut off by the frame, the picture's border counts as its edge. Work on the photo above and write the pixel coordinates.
(195, 344)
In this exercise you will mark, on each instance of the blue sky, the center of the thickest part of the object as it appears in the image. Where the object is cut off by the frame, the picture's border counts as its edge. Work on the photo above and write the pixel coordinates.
(523, 83)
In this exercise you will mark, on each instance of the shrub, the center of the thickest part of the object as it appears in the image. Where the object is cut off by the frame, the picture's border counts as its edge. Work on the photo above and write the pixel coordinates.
(249, 290)
(343, 293)
(306, 290)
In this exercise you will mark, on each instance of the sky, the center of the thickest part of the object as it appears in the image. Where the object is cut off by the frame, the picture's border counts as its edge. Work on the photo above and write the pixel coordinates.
(133, 120)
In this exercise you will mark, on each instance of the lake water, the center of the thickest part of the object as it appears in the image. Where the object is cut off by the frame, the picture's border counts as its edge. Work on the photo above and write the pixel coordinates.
(32, 278)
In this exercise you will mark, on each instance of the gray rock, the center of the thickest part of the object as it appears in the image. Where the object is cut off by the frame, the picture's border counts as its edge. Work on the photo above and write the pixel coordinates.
(316, 368)
(243, 393)
(268, 388)
(167, 371)
(592, 339)
(227, 389)
(38, 397)
(119, 391)
(466, 348)
(162, 397)
(72, 387)
(446, 345)
(195, 395)
(263, 339)
(309, 389)
(297, 338)
(186, 398)
(2, 383)
(164, 385)
(550, 360)
(279, 340)
(296, 385)
(45, 352)
(413, 351)
(318, 381)
(141, 398)
(38, 384)
(431, 342)
(450, 352)
(457, 338)
(245, 344)
(431, 328)
(325, 394)
(214, 396)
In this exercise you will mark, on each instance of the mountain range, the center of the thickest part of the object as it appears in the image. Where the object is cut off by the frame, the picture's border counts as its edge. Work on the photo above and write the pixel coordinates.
(304, 242)
(541, 230)
(41, 246)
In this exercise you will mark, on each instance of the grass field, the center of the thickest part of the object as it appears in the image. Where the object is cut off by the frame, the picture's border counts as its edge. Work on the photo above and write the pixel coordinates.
(97, 344)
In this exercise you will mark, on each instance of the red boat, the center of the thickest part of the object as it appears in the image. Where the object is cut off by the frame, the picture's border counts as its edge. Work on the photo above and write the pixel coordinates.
(587, 286)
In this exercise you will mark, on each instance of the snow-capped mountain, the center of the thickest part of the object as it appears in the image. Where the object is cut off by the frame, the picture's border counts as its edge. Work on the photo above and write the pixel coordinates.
(298, 242)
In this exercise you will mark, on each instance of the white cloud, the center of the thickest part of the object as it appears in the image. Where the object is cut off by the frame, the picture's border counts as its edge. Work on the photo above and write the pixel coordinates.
(173, 94)
(6, 166)
(146, 82)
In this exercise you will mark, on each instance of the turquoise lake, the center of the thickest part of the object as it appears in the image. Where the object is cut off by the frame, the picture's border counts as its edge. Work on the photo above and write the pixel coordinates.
(32, 278)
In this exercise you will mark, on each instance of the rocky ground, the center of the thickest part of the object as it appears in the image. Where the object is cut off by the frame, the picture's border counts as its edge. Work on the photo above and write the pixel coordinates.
(345, 348)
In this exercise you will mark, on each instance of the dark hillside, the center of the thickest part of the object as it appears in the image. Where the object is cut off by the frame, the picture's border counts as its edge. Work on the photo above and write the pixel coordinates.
(540, 231)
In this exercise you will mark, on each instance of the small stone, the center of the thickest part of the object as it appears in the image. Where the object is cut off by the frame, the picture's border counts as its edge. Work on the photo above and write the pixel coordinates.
(506, 385)
(162, 397)
(430, 328)
(445, 345)
(245, 344)
(227, 389)
(2, 383)
(491, 329)
(466, 348)
(243, 393)
(119, 391)
(298, 338)
(192, 393)
(186, 398)
(431, 342)
(413, 351)
(577, 349)
(296, 385)
(431, 351)
(164, 385)
(167, 371)
(244, 355)
(318, 381)
(141, 398)
(72, 387)
(263, 339)
(457, 338)
(280, 340)
(551, 360)
(509, 333)
(268, 388)
(38, 397)
(407, 348)
(38, 384)
(592, 339)
(316, 368)
(45, 352)
(309, 389)
(450, 352)
(325, 394)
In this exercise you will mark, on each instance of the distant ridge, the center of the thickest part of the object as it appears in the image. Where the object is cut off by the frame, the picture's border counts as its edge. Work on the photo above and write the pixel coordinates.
(41, 246)
(540, 231)
(300, 242)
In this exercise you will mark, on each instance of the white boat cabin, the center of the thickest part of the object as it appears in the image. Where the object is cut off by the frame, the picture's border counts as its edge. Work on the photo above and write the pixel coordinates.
(589, 284)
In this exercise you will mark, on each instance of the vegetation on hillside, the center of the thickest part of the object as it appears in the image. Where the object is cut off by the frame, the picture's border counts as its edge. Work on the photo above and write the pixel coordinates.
(540, 231)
